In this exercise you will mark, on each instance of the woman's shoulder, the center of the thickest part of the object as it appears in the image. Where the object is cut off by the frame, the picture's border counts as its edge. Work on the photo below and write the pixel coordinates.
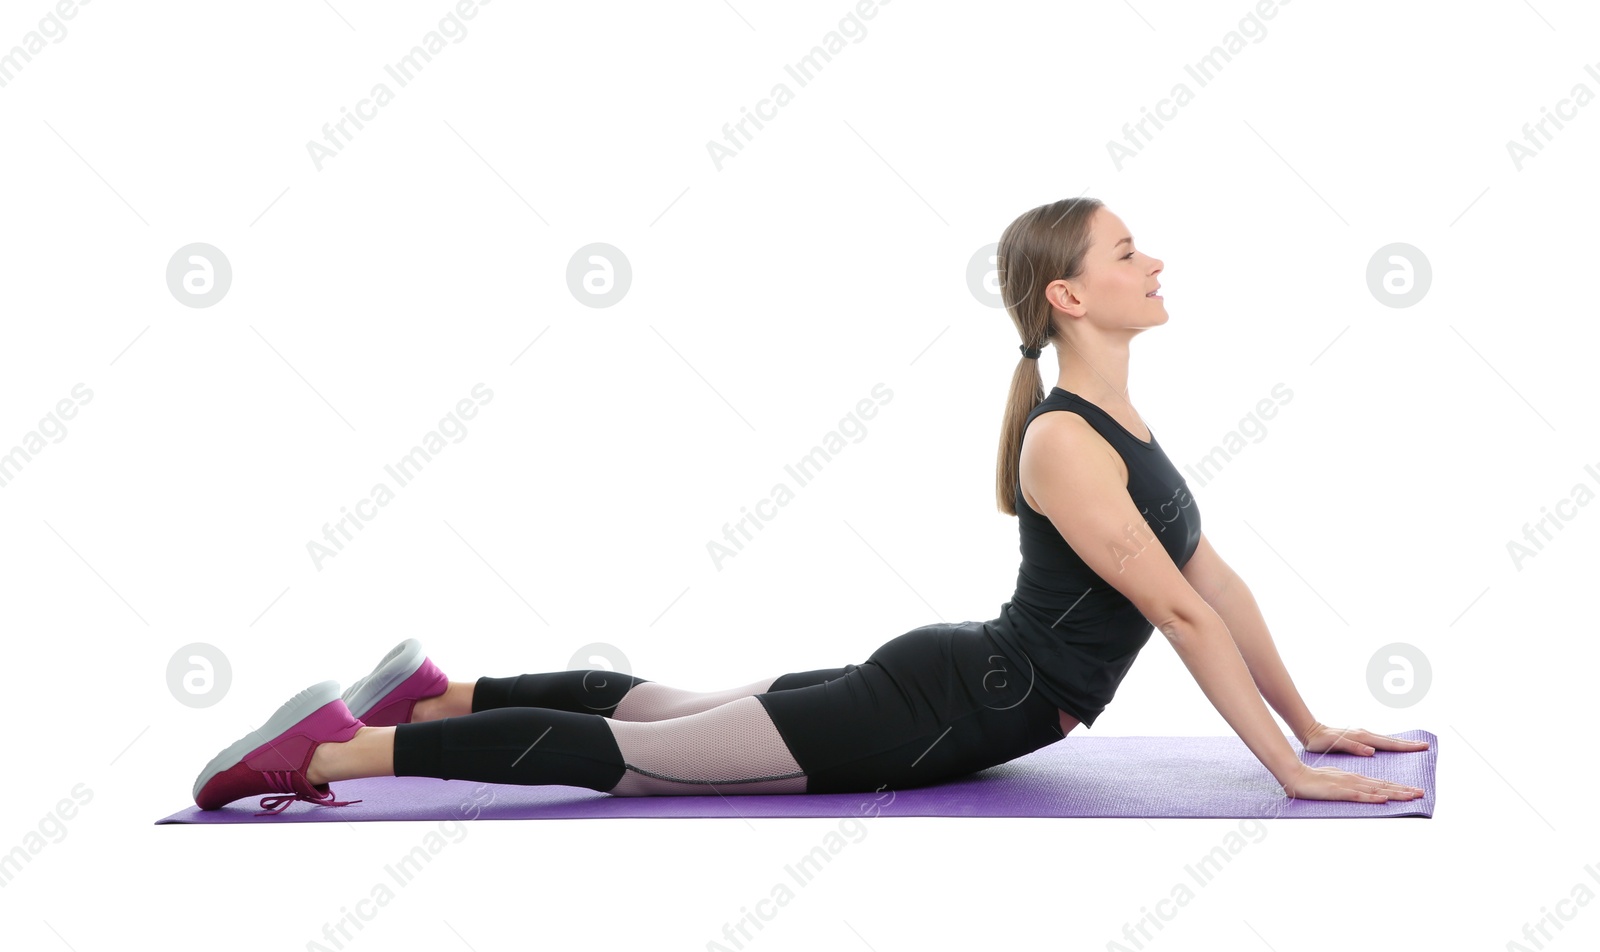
(1071, 433)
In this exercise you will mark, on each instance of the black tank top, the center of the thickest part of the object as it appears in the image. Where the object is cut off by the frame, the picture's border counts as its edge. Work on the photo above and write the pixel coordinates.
(1068, 630)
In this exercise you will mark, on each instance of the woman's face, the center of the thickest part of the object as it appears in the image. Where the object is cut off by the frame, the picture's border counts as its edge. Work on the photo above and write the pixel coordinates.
(1117, 279)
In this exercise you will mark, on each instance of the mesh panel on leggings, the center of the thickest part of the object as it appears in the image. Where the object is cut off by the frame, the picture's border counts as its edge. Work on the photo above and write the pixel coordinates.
(652, 701)
(730, 749)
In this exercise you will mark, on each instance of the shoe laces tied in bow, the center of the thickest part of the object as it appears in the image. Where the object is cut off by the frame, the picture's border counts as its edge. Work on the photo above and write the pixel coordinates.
(302, 789)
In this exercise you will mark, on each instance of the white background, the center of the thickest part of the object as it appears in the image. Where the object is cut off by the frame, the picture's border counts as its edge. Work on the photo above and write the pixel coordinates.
(767, 299)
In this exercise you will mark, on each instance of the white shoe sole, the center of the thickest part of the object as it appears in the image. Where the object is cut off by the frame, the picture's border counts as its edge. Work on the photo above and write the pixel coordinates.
(290, 713)
(400, 663)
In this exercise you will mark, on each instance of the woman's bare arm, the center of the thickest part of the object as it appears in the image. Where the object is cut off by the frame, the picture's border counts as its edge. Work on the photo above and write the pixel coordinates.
(1077, 482)
(1079, 486)
(1232, 600)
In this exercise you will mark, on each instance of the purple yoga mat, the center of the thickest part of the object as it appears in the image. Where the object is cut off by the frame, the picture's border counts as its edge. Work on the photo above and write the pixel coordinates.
(1074, 777)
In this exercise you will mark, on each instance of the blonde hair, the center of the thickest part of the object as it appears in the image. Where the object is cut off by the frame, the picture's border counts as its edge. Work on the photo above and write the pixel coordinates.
(1042, 245)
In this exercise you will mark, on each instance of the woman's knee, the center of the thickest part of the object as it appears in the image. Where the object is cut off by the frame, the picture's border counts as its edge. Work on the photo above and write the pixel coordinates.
(733, 748)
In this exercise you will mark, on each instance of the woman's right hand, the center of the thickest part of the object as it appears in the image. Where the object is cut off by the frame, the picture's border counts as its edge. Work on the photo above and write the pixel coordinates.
(1331, 783)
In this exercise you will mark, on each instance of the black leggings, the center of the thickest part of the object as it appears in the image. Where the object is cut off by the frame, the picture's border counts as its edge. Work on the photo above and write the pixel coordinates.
(935, 703)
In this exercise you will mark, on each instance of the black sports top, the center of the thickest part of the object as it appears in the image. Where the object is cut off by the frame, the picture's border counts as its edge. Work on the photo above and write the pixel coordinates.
(1071, 632)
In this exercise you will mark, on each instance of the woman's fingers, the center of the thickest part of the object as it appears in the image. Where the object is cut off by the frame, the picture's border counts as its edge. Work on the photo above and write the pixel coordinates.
(1368, 794)
(1396, 791)
(1388, 742)
(1337, 742)
(1330, 783)
(1364, 742)
(1372, 789)
(1385, 742)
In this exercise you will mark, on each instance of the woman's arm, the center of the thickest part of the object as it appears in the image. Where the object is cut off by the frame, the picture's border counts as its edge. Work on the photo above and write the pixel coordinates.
(1201, 640)
(1076, 480)
(1231, 599)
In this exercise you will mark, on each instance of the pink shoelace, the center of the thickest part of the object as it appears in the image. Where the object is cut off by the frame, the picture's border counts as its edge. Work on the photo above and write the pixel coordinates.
(295, 781)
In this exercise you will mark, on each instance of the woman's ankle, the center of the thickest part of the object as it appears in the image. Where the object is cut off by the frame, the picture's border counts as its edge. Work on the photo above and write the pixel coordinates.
(324, 761)
(370, 753)
(454, 702)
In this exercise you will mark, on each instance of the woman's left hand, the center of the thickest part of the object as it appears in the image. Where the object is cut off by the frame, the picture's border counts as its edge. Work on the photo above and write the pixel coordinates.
(1354, 740)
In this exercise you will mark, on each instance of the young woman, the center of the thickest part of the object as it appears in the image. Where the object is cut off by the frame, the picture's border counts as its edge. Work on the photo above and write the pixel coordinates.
(1111, 550)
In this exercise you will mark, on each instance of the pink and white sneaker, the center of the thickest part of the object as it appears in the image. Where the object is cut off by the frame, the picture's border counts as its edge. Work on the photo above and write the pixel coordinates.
(274, 758)
(388, 695)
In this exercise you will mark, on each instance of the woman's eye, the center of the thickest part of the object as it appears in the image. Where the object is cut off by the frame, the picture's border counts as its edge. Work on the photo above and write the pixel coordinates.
(1128, 255)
